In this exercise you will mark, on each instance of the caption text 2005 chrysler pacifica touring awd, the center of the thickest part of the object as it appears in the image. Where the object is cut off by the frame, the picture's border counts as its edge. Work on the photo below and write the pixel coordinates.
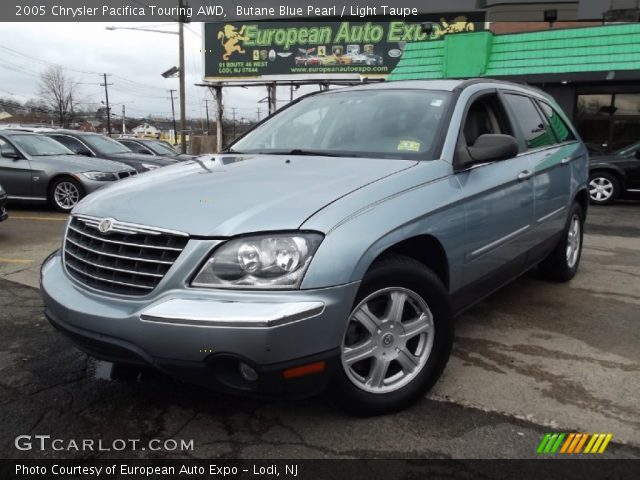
(331, 246)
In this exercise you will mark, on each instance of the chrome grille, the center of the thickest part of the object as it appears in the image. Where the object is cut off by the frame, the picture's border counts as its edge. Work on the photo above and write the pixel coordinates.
(125, 258)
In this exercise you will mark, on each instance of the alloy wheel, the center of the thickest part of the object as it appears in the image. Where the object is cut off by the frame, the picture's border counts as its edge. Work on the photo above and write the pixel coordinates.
(600, 189)
(66, 195)
(388, 340)
(573, 241)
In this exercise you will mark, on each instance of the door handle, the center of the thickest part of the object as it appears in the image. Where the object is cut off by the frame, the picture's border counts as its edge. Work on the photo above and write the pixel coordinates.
(526, 175)
(566, 160)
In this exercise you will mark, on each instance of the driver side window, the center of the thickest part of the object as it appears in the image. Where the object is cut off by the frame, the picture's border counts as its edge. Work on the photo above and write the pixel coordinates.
(486, 115)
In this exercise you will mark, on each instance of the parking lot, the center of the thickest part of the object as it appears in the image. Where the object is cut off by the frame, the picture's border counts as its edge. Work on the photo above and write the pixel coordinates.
(535, 357)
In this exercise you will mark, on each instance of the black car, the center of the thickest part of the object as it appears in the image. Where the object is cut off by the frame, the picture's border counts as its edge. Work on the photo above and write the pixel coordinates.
(614, 175)
(96, 145)
(153, 148)
(3, 203)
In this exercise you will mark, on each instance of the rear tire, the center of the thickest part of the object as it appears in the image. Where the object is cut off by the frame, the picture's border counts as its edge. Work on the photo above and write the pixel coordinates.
(65, 193)
(398, 338)
(562, 264)
(604, 188)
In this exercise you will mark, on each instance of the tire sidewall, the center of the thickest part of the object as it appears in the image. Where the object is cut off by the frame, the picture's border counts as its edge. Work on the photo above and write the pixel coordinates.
(426, 284)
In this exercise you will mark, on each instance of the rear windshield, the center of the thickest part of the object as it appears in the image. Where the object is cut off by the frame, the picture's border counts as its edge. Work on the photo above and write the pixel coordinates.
(105, 145)
(369, 123)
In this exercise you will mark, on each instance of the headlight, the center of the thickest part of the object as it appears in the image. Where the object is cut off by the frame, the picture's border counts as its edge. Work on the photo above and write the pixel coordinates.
(100, 176)
(148, 166)
(276, 261)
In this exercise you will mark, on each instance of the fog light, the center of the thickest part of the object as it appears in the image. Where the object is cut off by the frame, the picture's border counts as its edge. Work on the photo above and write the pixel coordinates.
(248, 373)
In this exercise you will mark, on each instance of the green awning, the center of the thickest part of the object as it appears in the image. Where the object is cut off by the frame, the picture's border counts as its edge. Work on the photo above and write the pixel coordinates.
(478, 54)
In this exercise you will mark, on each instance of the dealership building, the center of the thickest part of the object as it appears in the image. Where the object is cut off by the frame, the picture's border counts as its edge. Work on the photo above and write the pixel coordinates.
(593, 72)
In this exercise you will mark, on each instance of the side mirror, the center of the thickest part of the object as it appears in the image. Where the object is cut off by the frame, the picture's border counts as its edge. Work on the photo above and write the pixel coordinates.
(493, 148)
(7, 152)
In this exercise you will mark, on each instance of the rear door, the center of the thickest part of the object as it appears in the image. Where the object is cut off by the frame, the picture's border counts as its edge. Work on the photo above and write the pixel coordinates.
(15, 173)
(550, 156)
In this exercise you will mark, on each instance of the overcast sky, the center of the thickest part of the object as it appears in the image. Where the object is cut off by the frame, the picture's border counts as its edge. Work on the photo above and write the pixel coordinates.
(134, 59)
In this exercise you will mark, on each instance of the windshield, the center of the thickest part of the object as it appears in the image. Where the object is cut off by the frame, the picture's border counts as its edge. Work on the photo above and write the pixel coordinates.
(372, 123)
(105, 145)
(39, 145)
(160, 148)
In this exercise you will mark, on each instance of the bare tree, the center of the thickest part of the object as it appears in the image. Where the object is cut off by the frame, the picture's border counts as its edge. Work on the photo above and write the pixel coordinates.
(58, 91)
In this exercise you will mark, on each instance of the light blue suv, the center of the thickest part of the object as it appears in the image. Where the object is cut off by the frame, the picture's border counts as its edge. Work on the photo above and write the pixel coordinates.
(332, 245)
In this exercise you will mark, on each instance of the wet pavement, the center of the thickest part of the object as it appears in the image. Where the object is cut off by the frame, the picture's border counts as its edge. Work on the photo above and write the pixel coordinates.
(535, 357)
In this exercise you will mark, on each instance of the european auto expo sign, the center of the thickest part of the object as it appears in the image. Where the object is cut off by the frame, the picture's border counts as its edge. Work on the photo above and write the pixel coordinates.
(319, 50)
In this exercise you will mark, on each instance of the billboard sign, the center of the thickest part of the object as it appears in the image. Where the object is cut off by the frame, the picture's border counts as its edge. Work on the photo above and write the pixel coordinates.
(320, 50)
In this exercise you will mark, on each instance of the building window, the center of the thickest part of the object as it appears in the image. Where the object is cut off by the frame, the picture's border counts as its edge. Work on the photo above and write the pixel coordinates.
(608, 122)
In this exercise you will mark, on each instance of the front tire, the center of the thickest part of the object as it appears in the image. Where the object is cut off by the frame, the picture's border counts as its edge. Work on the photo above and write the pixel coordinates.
(398, 338)
(562, 264)
(65, 193)
(604, 188)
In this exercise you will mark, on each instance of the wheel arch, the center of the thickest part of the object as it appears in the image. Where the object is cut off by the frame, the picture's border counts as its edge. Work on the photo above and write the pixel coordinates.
(618, 172)
(582, 198)
(424, 248)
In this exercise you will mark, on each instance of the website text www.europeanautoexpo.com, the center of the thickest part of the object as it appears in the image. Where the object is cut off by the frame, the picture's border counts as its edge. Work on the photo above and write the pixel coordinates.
(337, 239)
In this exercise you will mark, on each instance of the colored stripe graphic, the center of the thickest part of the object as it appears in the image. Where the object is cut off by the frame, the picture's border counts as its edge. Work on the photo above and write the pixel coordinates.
(574, 443)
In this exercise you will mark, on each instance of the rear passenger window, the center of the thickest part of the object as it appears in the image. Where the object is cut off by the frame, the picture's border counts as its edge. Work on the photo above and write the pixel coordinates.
(563, 132)
(537, 133)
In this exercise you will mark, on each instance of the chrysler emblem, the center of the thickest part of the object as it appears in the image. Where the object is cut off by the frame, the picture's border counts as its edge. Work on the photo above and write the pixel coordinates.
(105, 225)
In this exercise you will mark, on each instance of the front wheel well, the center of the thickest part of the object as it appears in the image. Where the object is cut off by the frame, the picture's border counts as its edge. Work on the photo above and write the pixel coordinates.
(611, 171)
(582, 198)
(425, 249)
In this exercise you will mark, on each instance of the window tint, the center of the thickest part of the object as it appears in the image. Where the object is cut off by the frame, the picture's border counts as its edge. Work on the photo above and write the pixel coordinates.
(536, 132)
(555, 120)
(72, 144)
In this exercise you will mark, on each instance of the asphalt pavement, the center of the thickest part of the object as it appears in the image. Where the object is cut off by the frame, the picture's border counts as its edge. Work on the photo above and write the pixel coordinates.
(534, 357)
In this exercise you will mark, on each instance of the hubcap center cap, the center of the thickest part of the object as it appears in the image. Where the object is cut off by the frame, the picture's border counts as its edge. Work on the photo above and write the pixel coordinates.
(387, 340)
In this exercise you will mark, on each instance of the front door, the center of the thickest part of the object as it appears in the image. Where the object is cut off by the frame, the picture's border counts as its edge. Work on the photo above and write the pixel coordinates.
(15, 173)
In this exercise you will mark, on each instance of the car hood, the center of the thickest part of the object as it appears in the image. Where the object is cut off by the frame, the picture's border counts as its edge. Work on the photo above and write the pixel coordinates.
(139, 157)
(230, 195)
(81, 163)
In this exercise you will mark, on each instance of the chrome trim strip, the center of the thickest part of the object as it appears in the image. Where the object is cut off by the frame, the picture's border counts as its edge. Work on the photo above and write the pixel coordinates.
(137, 245)
(499, 241)
(130, 227)
(39, 199)
(101, 279)
(549, 215)
(134, 259)
(633, 189)
(133, 272)
(215, 313)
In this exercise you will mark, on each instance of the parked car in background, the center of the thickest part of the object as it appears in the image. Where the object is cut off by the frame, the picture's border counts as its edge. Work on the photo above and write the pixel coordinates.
(615, 175)
(35, 168)
(338, 257)
(96, 145)
(154, 148)
(3, 204)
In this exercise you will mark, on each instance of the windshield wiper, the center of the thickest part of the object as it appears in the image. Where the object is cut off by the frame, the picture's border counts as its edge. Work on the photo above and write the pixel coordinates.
(300, 151)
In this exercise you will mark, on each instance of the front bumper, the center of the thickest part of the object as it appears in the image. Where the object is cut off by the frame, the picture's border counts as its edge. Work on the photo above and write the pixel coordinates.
(201, 335)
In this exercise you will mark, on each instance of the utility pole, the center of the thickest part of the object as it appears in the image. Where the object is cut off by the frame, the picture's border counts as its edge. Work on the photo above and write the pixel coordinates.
(234, 121)
(124, 127)
(106, 97)
(173, 114)
(183, 128)
(217, 95)
(258, 111)
(206, 111)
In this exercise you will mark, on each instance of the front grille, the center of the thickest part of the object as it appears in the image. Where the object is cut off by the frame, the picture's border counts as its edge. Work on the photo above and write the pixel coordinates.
(128, 173)
(127, 259)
